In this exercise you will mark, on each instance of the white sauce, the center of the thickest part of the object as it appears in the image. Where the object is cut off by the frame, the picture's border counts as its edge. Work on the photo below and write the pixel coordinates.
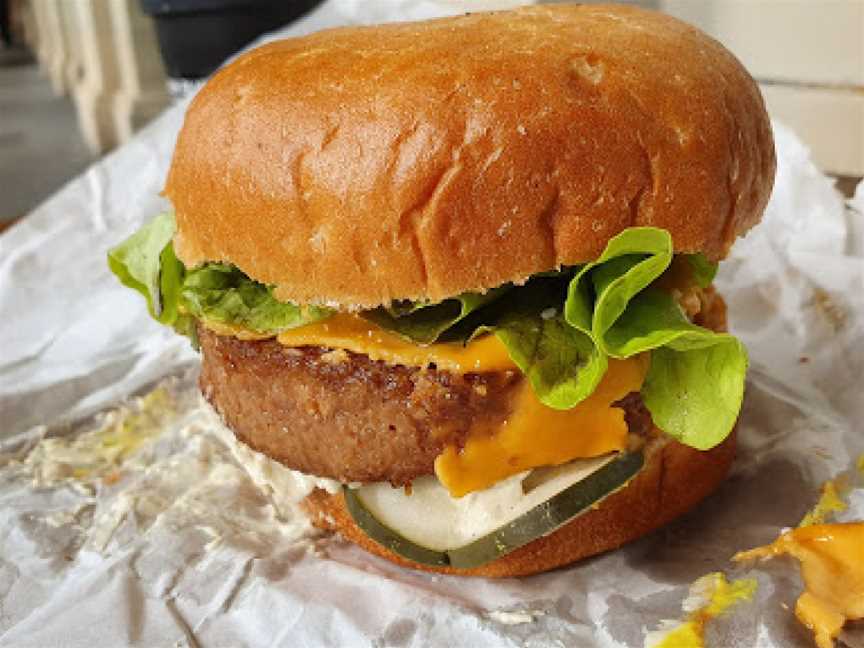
(284, 487)
(431, 518)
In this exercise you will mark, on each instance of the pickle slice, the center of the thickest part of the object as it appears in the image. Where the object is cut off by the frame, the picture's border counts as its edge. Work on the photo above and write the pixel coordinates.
(546, 499)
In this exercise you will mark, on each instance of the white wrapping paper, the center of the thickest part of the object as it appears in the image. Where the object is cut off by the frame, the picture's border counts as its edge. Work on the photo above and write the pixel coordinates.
(139, 527)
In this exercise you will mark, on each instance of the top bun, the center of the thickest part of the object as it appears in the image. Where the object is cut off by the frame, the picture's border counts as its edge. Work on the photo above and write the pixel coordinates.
(357, 166)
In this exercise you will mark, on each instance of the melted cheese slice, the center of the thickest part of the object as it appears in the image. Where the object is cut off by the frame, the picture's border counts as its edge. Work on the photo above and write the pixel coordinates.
(355, 334)
(832, 566)
(536, 435)
(533, 435)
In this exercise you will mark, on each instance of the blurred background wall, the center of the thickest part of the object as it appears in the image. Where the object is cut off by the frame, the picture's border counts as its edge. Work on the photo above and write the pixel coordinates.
(109, 66)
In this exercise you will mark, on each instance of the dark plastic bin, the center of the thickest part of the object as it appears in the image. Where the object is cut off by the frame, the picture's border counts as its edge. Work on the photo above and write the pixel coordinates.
(196, 36)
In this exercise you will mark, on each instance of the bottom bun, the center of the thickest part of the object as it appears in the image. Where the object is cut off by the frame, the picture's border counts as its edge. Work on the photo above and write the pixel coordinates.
(674, 479)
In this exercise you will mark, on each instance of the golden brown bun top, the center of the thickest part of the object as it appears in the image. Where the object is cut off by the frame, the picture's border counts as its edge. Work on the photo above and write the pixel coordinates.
(421, 160)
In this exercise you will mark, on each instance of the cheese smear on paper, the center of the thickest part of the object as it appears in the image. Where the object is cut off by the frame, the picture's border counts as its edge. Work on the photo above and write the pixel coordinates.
(710, 597)
(832, 566)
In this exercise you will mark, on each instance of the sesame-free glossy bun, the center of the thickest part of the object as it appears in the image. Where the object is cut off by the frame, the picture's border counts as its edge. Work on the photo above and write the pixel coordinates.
(360, 165)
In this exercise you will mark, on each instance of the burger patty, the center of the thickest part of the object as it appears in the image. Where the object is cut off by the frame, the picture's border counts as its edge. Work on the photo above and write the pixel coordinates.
(342, 415)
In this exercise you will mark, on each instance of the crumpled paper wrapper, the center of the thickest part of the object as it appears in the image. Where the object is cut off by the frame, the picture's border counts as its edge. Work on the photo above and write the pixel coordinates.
(134, 524)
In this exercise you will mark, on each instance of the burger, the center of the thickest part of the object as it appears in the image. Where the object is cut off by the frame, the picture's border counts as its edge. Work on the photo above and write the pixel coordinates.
(462, 269)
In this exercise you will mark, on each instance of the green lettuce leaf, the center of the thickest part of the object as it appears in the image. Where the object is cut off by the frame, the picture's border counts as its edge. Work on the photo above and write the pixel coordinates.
(425, 323)
(695, 396)
(704, 270)
(631, 261)
(221, 292)
(695, 385)
(562, 363)
(146, 263)
(175, 296)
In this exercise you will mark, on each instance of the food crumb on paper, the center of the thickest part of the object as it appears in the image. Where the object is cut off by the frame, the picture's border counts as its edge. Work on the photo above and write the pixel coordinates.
(710, 596)
(825, 304)
(515, 617)
(830, 502)
(99, 453)
(834, 495)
